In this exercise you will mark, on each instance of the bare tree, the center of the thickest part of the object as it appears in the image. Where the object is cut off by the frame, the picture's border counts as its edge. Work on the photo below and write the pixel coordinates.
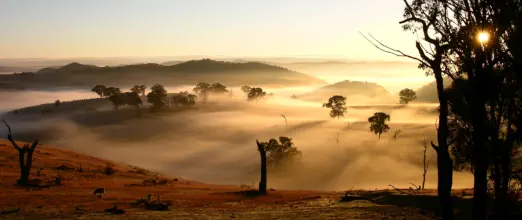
(286, 122)
(337, 139)
(262, 152)
(25, 161)
(425, 162)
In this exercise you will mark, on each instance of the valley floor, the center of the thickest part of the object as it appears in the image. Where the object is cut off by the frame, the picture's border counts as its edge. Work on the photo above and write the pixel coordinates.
(67, 181)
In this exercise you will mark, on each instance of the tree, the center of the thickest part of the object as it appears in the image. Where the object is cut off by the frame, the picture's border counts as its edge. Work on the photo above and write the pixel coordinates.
(407, 96)
(217, 88)
(139, 89)
(256, 94)
(99, 89)
(184, 99)
(378, 123)
(157, 96)
(110, 91)
(421, 16)
(126, 98)
(337, 104)
(202, 89)
(25, 161)
(57, 103)
(246, 89)
(275, 153)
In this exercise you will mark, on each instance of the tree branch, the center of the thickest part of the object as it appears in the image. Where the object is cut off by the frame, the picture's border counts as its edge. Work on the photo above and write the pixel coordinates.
(10, 137)
(383, 47)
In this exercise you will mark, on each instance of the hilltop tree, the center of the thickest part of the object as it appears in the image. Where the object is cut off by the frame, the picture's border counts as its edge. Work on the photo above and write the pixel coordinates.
(99, 89)
(218, 88)
(184, 99)
(57, 103)
(202, 89)
(25, 156)
(139, 89)
(246, 89)
(110, 91)
(126, 98)
(256, 94)
(157, 96)
(337, 104)
(378, 123)
(407, 95)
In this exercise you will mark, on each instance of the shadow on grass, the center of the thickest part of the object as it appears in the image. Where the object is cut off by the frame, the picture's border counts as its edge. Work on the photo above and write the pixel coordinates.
(247, 193)
(462, 206)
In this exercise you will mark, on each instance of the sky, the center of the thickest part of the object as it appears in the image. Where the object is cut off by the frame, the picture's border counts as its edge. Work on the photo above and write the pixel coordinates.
(233, 28)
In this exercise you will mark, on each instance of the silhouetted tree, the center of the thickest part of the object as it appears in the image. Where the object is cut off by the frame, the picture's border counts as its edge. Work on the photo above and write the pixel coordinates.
(57, 103)
(99, 89)
(202, 89)
(337, 104)
(256, 94)
(110, 91)
(378, 123)
(139, 89)
(218, 88)
(293, 96)
(275, 153)
(25, 156)
(157, 96)
(246, 89)
(184, 99)
(126, 98)
(407, 96)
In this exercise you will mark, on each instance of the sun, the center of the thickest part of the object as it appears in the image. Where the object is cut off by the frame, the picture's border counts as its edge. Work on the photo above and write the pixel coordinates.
(483, 37)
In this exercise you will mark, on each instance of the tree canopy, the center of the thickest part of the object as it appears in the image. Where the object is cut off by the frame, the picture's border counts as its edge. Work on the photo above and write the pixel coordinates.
(157, 96)
(337, 104)
(378, 123)
(407, 95)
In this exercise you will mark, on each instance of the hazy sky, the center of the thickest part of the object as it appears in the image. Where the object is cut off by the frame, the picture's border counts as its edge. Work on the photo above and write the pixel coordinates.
(255, 28)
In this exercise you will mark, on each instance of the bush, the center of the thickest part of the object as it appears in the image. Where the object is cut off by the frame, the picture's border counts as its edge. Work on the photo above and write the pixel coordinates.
(109, 169)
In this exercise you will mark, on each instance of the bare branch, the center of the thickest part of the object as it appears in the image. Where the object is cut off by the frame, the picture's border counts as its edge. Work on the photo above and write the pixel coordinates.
(10, 137)
(383, 47)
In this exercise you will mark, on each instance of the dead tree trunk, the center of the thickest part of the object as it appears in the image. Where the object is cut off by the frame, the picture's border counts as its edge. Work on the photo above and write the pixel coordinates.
(25, 161)
(262, 153)
(426, 163)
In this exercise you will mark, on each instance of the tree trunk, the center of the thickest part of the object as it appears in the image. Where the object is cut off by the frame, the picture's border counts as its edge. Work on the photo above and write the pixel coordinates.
(262, 153)
(444, 161)
(480, 160)
(24, 176)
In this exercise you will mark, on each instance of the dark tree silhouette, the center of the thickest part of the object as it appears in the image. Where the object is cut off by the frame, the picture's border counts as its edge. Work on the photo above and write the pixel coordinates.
(99, 89)
(139, 89)
(217, 88)
(110, 91)
(202, 89)
(256, 94)
(184, 99)
(157, 96)
(262, 153)
(275, 154)
(407, 96)
(126, 98)
(337, 104)
(57, 103)
(378, 123)
(25, 156)
(246, 89)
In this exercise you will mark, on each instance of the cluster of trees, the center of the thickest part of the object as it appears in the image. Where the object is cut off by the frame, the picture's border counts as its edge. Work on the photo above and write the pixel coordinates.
(203, 89)
(254, 93)
(476, 44)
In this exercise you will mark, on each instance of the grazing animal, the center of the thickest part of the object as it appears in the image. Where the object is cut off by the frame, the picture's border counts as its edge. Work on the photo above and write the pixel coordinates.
(99, 191)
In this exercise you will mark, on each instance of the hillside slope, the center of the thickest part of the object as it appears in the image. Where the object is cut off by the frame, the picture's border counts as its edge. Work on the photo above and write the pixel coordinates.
(428, 92)
(190, 72)
(73, 198)
(352, 90)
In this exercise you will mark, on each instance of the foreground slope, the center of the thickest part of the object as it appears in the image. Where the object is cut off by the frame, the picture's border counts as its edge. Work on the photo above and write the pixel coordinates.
(73, 198)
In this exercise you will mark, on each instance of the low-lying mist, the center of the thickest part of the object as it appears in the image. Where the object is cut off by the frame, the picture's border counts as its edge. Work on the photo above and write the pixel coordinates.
(215, 142)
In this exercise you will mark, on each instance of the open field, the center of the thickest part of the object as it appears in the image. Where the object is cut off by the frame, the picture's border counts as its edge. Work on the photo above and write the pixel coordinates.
(73, 198)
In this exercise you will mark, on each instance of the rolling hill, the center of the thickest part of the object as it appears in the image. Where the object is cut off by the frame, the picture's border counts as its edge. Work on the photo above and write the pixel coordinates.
(190, 72)
(428, 92)
(352, 90)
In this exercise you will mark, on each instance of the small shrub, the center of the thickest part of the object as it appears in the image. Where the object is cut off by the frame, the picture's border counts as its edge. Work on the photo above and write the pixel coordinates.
(109, 169)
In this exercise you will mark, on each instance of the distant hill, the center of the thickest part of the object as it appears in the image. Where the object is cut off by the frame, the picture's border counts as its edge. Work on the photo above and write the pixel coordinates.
(170, 63)
(352, 90)
(11, 69)
(428, 92)
(190, 72)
